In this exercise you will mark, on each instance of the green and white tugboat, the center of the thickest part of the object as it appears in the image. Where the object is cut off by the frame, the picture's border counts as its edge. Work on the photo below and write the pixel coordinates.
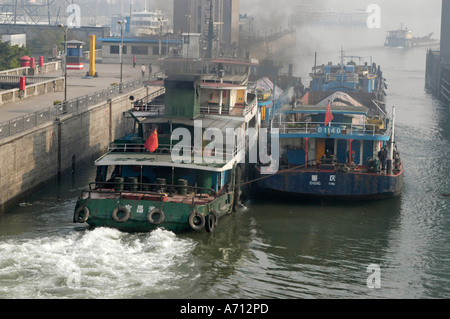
(180, 169)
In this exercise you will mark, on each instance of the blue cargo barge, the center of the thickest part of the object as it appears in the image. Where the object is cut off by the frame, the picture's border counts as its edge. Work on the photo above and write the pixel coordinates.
(353, 156)
(362, 76)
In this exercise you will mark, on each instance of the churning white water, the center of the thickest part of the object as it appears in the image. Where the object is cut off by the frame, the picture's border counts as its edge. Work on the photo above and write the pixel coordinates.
(100, 263)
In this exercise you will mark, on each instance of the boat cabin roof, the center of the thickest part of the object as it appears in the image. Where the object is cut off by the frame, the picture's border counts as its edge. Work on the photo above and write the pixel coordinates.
(252, 62)
(340, 103)
(221, 86)
(161, 160)
(266, 85)
(339, 98)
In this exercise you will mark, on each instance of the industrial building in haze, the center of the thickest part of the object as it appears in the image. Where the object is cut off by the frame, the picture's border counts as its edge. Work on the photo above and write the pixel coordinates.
(194, 16)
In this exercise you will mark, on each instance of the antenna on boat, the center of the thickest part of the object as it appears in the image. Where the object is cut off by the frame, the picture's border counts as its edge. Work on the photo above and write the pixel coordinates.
(391, 148)
(315, 61)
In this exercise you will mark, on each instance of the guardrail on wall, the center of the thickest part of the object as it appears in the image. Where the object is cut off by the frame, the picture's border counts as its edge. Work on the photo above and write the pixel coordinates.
(15, 94)
(24, 71)
(15, 79)
(21, 123)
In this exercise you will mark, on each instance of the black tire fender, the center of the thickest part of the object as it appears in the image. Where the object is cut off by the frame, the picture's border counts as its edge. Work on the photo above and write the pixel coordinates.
(211, 221)
(216, 218)
(196, 220)
(81, 214)
(160, 220)
(122, 219)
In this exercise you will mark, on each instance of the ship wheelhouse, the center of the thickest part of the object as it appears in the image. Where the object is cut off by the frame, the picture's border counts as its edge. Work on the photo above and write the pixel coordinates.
(355, 131)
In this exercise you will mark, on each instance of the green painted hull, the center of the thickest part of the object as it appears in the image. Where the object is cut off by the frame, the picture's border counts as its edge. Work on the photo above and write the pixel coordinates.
(178, 214)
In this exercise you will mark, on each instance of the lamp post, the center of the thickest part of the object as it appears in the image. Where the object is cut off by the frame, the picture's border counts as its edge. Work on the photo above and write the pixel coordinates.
(122, 24)
(65, 28)
(160, 35)
(188, 16)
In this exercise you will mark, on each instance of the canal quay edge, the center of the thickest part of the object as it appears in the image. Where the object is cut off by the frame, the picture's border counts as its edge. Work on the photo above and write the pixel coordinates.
(36, 156)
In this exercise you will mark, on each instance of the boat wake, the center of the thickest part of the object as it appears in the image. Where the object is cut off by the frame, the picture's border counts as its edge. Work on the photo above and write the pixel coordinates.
(99, 263)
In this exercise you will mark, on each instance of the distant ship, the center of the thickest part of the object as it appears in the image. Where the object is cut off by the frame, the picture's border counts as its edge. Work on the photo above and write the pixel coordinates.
(403, 38)
(148, 22)
(311, 14)
(363, 80)
(142, 23)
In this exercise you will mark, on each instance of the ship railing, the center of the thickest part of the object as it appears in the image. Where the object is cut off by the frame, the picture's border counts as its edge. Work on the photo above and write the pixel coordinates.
(318, 128)
(158, 109)
(185, 151)
(250, 107)
(214, 109)
(145, 103)
(237, 110)
(124, 188)
(136, 148)
(349, 77)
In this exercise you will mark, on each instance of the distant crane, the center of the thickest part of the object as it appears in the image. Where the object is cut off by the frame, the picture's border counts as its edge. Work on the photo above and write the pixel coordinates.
(40, 12)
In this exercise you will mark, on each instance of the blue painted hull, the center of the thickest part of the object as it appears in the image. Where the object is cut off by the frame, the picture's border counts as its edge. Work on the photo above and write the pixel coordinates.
(331, 184)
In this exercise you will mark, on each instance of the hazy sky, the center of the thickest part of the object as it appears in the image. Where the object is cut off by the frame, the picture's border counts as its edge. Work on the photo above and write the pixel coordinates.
(421, 16)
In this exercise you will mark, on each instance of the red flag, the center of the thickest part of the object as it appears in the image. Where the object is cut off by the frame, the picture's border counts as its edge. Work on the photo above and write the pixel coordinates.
(328, 115)
(152, 142)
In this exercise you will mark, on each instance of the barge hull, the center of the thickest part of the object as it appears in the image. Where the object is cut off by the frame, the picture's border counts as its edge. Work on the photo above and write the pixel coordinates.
(176, 214)
(333, 185)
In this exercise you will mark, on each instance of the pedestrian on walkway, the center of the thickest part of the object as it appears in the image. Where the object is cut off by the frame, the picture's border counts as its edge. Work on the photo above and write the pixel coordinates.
(134, 61)
(143, 70)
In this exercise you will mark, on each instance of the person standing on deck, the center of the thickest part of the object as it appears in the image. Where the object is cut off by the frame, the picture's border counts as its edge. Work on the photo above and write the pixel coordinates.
(382, 155)
(350, 157)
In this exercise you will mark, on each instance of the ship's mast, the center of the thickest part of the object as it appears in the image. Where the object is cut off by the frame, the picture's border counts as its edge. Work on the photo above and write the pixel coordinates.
(391, 150)
(392, 144)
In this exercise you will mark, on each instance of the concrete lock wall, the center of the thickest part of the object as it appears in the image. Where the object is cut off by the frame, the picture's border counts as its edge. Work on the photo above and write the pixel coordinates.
(34, 157)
